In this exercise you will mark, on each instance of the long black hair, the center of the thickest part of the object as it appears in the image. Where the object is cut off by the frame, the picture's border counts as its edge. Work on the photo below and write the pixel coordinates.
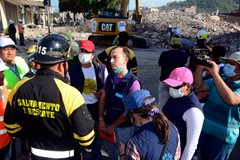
(159, 120)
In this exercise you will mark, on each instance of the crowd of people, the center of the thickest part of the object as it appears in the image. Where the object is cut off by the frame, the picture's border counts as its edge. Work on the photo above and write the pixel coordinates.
(65, 101)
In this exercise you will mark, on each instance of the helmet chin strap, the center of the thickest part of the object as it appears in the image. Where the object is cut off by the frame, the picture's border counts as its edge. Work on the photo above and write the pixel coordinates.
(65, 71)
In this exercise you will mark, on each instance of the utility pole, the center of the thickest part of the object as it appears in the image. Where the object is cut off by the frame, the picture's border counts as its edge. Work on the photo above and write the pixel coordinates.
(47, 4)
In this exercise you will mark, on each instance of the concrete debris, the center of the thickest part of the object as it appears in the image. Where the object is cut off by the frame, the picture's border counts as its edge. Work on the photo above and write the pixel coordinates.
(81, 31)
(223, 31)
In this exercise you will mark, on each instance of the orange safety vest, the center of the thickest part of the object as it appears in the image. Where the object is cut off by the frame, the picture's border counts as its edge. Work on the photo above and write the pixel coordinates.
(4, 137)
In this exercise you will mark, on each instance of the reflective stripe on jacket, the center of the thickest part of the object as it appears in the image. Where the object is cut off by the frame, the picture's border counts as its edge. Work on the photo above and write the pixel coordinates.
(4, 137)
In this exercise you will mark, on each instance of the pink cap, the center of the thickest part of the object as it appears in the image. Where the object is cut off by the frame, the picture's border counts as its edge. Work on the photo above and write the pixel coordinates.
(179, 76)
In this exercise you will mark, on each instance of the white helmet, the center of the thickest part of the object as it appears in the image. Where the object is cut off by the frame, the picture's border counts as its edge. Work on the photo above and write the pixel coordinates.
(202, 34)
(177, 32)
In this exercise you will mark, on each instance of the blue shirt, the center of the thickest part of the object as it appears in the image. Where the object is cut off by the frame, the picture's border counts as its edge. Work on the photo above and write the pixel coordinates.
(221, 119)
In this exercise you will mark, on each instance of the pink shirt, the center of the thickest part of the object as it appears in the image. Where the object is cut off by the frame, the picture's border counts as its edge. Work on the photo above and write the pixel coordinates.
(20, 28)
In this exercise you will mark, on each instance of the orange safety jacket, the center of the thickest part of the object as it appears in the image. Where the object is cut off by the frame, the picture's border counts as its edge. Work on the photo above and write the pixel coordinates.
(4, 137)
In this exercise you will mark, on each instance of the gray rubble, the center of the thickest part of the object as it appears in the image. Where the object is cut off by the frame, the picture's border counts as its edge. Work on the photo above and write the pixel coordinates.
(223, 31)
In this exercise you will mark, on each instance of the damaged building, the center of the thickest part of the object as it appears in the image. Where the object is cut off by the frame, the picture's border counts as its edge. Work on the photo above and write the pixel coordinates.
(29, 11)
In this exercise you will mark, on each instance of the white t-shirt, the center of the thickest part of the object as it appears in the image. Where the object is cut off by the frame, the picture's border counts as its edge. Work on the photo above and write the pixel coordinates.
(194, 119)
(90, 85)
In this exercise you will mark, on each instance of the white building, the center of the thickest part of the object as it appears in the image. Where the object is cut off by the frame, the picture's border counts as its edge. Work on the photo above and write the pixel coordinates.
(21, 9)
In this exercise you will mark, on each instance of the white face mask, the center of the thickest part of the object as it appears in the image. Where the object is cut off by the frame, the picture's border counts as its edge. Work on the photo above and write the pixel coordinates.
(229, 70)
(204, 74)
(175, 93)
(85, 58)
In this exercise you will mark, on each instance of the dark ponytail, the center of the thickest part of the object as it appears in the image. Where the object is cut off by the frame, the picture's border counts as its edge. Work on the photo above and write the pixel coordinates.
(159, 120)
(161, 124)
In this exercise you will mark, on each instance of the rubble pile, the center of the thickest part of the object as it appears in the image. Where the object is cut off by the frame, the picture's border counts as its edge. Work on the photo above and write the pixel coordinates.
(222, 32)
(81, 31)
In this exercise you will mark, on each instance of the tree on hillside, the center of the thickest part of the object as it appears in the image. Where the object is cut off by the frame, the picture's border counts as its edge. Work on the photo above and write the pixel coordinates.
(206, 5)
(87, 7)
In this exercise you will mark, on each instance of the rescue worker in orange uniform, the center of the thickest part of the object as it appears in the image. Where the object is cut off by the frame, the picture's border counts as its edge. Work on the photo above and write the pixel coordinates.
(5, 139)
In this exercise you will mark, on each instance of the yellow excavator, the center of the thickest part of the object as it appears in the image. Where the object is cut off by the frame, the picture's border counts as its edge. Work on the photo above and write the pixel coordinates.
(110, 22)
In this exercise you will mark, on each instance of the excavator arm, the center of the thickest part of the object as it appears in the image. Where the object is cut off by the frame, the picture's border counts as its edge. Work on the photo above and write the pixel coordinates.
(138, 16)
(123, 7)
(123, 10)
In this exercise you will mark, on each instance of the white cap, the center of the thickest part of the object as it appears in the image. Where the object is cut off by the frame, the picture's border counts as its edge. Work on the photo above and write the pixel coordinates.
(3, 66)
(234, 57)
(11, 21)
(5, 42)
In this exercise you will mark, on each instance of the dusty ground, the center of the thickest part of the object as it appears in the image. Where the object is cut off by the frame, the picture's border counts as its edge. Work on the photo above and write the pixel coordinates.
(148, 70)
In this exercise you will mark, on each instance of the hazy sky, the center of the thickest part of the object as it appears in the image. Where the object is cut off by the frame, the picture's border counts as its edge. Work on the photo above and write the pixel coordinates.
(144, 3)
(150, 3)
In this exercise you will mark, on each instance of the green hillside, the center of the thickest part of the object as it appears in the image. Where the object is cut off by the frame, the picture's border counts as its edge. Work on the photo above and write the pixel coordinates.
(206, 5)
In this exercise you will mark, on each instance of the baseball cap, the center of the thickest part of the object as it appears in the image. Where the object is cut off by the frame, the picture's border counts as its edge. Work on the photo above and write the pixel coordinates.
(136, 100)
(3, 66)
(234, 57)
(87, 46)
(179, 76)
(6, 42)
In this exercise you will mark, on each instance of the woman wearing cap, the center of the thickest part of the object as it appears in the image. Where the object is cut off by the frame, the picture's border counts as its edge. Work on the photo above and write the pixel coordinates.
(156, 137)
(184, 110)
(222, 108)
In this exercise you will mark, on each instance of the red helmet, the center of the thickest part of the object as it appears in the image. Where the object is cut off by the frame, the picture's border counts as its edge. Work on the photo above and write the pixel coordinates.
(87, 45)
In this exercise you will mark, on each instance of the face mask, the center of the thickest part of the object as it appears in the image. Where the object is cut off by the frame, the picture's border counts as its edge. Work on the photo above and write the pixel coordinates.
(118, 70)
(84, 58)
(229, 70)
(175, 93)
(204, 74)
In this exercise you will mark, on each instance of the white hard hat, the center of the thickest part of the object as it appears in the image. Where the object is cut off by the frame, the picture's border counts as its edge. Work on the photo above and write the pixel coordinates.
(202, 34)
(11, 21)
(6, 41)
(3, 66)
(178, 32)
